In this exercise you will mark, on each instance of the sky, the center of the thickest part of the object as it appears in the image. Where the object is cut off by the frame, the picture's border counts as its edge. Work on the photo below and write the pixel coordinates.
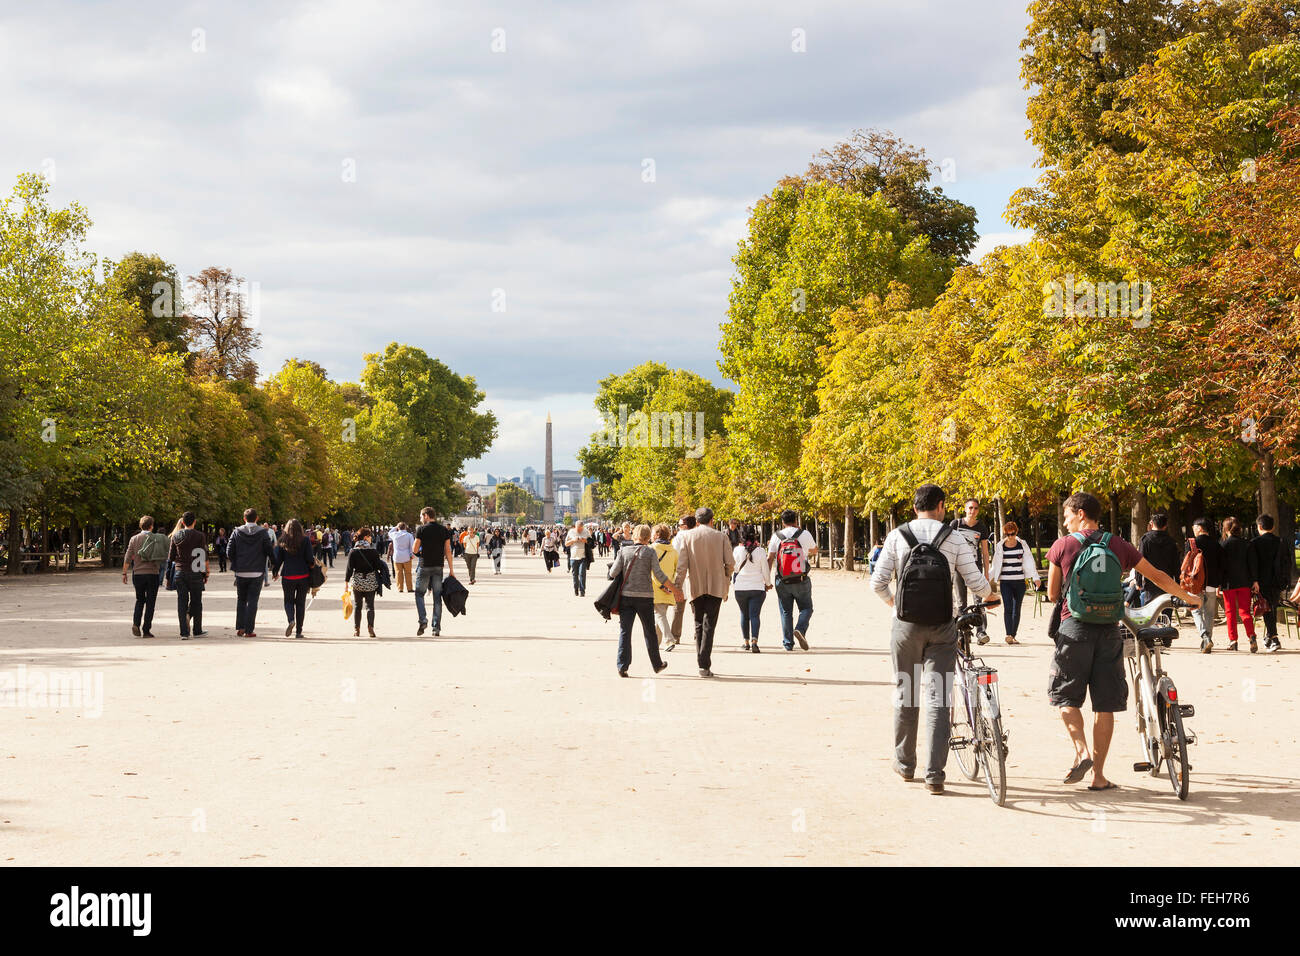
(539, 195)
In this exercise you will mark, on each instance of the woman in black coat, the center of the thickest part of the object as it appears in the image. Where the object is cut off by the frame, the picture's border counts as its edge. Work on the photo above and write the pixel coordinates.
(292, 561)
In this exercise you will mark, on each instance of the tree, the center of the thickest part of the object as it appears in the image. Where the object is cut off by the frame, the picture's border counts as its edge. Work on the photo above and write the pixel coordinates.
(219, 327)
(153, 287)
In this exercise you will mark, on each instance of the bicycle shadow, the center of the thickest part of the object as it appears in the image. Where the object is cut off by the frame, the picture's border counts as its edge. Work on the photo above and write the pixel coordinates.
(1226, 799)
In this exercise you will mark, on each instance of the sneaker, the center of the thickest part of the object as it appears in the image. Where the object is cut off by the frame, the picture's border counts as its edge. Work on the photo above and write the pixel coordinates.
(1207, 645)
(239, 634)
(135, 629)
(146, 634)
(420, 632)
(437, 632)
(1254, 646)
(981, 637)
(200, 633)
(788, 647)
(1232, 646)
(185, 637)
(663, 666)
(1272, 645)
(803, 641)
(622, 673)
(753, 648)
(669, 646)
(745, 646)
(935, 788)
(705, 672)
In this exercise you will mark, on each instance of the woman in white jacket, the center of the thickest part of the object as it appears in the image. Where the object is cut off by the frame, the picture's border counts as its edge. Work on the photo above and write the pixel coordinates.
(1012, 565)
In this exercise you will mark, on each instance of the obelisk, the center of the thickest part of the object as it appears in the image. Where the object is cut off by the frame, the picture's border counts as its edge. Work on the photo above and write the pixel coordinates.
(548, 499)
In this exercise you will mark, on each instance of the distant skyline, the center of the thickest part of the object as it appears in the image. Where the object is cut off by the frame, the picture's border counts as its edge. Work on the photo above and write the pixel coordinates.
(384, 174)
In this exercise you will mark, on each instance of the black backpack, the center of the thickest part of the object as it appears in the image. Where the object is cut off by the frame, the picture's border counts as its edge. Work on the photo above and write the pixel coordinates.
(924, 582)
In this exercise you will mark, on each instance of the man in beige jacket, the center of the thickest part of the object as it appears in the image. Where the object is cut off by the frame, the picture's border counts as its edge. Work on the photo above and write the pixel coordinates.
(705, 556)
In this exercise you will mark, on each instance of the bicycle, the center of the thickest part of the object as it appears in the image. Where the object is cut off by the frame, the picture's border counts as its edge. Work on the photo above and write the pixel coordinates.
(1159, 711)
(977, 737)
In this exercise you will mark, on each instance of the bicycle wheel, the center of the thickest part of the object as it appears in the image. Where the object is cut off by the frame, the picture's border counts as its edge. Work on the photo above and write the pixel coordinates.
(1176, 764)
(961, 728)
(1145, 694)
(993, 757)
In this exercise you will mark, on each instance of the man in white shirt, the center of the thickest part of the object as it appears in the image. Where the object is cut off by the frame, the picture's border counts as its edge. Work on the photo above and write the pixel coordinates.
(576, 542)
(793, 585)
(400, 543)
(925, 654)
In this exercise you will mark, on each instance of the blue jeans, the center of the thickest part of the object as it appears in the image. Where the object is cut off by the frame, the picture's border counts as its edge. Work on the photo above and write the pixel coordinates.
(247, 592)
(750, 603)
(429, 579)
(788, 595)
(579, 569)
(1013, 597)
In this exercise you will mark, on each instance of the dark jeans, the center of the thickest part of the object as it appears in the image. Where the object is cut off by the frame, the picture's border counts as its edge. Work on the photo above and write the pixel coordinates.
(247, 593)
(368, 599)
(579, 569)
(221, 558)
(146, 595)
(295, 600)
(1270, 595)
(788, 594)
(751, 603)
(189, 600)
(1013, 598)
(631, 608)
(705, 608)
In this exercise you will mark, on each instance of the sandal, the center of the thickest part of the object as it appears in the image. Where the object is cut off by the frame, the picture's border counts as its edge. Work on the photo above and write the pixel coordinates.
(1011, 639)
(1109, 786)
(1077, 772)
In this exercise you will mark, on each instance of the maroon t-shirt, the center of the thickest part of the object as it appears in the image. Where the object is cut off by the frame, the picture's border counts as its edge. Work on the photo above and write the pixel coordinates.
(1065, 550)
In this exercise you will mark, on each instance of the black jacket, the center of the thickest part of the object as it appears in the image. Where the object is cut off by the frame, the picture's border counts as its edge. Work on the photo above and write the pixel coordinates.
(1163, 552)
(249, 549)
(1236, 564)
(454, 595)
(1264, 555)
(289, 564)
(1212, 560)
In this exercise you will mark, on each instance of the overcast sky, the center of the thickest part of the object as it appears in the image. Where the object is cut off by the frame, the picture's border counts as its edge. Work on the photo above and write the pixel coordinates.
(382, 173)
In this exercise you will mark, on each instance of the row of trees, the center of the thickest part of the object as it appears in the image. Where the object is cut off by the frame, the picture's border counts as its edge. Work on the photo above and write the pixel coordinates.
(1141, 345)
(116, 398)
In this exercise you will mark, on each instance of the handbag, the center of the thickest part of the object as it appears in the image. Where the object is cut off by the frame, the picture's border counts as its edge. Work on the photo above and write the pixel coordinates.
(169, 579)
(611, 598)
(315, 576)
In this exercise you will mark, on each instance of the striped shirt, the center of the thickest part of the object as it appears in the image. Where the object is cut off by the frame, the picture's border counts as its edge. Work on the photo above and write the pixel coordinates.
(960, 555)
(1013, 562)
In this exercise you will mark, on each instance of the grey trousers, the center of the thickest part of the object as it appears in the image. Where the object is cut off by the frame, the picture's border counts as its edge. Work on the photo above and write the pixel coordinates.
(924, 659)
(1203, 616)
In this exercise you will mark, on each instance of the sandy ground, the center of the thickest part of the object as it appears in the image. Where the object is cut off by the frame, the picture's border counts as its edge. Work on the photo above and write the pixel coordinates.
(511, 739)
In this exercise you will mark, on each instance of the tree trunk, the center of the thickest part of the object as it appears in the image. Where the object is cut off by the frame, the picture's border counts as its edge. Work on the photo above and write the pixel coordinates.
(1139, 516)
(1114, 513)
(832, 542)
(1268, 503)
(105, 552)
(1060, 513)
(849, 536)
(873, 529)
(73, 543)
(44, 564)
(15, 542)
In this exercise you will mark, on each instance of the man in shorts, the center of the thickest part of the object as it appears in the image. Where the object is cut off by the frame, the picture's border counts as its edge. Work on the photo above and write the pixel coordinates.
(1089, 658)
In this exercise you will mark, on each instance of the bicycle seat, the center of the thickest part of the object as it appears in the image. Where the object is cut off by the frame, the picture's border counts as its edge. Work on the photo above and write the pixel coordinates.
(1142, 616)
(1149, 635)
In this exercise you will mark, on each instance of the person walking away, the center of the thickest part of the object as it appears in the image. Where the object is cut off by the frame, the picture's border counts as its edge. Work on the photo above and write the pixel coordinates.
(577, 546)
(146, 552)
(666, 554)
(976, 533)
(189, 552)
(704, 557)
(549, 553)
(1158, 547)
(249, 552)
(684, 524)
(400, 549)
(1084, 575)
(1236, 583)
(636, 562)
(1269, 577)
(1203, 550)
(1009, 571)
(789, 552)
(363, 570)
(219, 546)
(921, 558)
(433, 551)
(751, 583)
(292, 562)
(471, 545)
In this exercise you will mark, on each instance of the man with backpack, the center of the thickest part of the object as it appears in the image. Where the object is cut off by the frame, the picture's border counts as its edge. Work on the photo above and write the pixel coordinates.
(1207, 546)
(926, 555)
(146, 553)
(788, 551)
(1085, 577)
(249, 550)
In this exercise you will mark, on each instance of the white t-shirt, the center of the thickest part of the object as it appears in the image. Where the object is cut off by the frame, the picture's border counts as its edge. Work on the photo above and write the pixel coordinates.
(753, 575)
(804, 539)
(403, 542)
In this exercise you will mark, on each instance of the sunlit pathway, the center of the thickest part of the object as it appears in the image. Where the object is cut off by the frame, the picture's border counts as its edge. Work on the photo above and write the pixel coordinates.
(511, 739)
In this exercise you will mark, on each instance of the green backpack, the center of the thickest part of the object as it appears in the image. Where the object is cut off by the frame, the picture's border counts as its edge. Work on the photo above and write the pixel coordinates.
(1096, 592)
(155, 548)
